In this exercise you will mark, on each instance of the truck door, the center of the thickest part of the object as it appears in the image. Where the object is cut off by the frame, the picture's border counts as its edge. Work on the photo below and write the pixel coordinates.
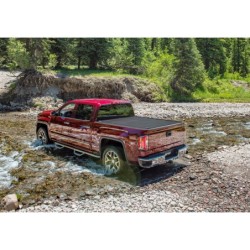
(80, 131)
(60, 121)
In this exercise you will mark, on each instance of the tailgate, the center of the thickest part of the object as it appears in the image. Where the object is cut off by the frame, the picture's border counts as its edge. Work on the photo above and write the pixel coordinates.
(168, 137)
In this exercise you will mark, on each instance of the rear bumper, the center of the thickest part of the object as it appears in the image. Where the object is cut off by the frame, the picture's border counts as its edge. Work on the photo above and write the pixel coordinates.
(163, 157)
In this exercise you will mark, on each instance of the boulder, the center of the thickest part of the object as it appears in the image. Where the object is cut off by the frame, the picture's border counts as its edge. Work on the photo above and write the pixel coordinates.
(10, 202)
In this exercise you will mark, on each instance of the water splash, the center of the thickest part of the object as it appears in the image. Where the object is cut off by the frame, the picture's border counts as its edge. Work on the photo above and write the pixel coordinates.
(247, 125)
(8, 163)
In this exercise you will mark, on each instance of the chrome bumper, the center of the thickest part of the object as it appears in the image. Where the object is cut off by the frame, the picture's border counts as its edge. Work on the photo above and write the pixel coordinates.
(163, 157)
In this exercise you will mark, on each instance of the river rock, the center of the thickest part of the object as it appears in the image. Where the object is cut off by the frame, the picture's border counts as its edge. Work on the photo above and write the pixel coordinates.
(10, 202)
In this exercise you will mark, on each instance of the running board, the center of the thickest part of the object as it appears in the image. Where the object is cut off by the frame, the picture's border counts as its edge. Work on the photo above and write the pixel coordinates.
(76, 151)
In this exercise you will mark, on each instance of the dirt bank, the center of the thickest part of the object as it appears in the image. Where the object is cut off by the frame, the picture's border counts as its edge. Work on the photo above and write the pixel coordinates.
(33, 85)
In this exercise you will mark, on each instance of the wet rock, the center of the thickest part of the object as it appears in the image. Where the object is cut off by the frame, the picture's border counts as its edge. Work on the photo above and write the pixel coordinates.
(188, 156)
(10, 202)
(63, 196)
(192, 177)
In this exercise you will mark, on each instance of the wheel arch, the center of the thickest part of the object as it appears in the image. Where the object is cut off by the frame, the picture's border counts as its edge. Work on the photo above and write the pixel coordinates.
(107, 141)
(41, 124)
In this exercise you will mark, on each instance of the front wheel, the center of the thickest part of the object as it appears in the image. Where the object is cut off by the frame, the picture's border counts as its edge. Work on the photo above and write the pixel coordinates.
(113, 160)
(42, 135)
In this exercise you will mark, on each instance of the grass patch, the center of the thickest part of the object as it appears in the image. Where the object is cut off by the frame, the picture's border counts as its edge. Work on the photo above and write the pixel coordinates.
(221, 90)
(74, 72)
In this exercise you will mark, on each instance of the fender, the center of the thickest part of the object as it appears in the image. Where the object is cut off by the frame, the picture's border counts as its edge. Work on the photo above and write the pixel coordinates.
(115, 140)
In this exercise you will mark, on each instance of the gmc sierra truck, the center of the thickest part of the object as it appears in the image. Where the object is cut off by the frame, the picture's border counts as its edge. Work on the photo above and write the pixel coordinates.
(109, 130)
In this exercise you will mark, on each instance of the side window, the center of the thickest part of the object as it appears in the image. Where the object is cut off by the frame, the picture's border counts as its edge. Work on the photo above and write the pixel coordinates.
(68, 110)
(84, 112)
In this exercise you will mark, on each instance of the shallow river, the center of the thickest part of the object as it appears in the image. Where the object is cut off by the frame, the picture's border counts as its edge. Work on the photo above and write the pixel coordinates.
(28, 168)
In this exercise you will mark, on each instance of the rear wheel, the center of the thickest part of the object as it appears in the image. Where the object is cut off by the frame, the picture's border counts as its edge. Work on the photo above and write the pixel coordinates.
(113, 160)
(42, 135)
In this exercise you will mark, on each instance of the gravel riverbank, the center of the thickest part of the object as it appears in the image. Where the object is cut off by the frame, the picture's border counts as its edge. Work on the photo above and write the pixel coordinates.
(190, 110)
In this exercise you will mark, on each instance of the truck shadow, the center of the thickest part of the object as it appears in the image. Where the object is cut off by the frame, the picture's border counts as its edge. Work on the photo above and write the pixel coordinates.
(133, 175)
(142, 177)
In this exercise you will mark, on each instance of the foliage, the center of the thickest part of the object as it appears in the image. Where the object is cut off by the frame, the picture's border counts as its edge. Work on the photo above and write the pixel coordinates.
(240, 56)
(17, 54)
(136, 47)
(189, 70)
(159, 68)
(213, 55)
(120, 59)
(3, 51)
(221, 90)
(63, 48)
(94, 51)
(178, 65)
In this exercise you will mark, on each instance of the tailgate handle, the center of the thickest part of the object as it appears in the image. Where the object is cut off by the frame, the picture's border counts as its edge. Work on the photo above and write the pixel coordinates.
(168, 133)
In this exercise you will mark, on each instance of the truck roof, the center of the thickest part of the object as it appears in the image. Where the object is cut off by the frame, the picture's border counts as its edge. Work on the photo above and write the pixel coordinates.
(99, 101)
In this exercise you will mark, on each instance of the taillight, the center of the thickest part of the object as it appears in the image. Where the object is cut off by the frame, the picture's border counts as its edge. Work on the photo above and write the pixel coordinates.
(143, 142)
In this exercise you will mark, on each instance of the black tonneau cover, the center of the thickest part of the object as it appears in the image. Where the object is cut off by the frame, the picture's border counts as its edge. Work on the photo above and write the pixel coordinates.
(142, 123)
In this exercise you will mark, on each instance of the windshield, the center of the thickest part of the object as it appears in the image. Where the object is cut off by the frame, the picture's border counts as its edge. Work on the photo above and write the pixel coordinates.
(115, 111)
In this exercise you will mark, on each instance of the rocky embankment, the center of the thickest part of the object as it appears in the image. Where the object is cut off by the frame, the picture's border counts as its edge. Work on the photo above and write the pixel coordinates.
(32, 85)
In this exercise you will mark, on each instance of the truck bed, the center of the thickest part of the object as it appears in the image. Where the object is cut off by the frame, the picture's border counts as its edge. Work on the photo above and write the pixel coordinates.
(142, 123)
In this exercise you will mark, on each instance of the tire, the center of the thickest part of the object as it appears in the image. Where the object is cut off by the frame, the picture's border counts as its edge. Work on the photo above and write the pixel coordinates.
(113, 160)
(42, 135)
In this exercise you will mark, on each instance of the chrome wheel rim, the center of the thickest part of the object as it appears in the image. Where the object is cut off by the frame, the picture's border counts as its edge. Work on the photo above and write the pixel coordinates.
(112, 162)
(42, 136)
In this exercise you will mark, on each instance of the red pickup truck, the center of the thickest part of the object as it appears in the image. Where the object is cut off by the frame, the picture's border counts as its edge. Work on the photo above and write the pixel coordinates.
(109, 130)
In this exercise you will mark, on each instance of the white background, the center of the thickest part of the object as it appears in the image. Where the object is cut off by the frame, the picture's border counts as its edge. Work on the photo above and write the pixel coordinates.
(128, 18)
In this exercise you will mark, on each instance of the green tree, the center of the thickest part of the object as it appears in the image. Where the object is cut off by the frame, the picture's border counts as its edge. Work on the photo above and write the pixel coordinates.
(241, 55)
(213, 55)
(120, 58)
(18, 56)
(63, 48)
(136, 47)
(167, 44)
(189, 70)
(36, 52)
(94, 51)
(3, 51)
(159, 68)
(79, 51)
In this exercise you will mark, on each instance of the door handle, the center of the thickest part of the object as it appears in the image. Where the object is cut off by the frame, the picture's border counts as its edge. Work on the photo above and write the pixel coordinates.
(84, 127)
(67, 123)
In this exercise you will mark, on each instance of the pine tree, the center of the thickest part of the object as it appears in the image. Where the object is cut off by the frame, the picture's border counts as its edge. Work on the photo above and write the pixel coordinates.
(3, 51)
(189, 69)
(120, 58)
(63, 49)
(94, 51)
(167, 44)
(213, 55)
(241, 55)
(136, 47)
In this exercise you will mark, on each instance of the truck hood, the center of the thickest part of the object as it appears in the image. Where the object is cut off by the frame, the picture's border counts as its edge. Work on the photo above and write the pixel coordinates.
(46, 113)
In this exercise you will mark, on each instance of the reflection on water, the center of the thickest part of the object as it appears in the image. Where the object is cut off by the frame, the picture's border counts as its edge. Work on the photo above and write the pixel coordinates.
(208, 135)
